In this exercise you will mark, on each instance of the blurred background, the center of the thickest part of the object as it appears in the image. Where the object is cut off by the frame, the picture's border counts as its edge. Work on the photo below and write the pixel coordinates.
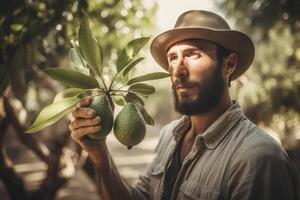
(35, 35)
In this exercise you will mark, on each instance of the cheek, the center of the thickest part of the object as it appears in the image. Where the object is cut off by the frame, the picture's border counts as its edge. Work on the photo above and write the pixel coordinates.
(202, 69)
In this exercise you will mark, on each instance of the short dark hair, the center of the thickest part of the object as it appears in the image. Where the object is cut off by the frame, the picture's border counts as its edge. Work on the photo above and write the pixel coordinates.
(222, 53)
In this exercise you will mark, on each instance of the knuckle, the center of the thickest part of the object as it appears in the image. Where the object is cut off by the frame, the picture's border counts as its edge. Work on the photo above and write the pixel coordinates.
(75, 124)
(83, 131)
(92, 121)
(75, 112)
(73, 136)
(95, 121)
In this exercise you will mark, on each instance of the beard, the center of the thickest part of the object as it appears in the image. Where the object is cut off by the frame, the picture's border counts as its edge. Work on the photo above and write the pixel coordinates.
(209, 94)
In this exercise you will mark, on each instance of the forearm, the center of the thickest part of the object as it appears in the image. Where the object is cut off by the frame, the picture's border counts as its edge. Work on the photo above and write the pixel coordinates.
(111, 184)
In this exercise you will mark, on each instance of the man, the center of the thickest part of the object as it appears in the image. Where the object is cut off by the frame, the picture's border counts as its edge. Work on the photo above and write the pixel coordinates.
(213, 151)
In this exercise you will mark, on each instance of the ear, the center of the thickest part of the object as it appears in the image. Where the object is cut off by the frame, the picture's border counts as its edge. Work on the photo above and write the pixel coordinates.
(230, 64)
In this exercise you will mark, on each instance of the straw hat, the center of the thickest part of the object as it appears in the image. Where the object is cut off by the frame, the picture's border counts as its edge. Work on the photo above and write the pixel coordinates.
(207, 26)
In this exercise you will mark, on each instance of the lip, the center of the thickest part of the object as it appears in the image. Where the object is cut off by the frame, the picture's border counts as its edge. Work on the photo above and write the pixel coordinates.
(183, 88)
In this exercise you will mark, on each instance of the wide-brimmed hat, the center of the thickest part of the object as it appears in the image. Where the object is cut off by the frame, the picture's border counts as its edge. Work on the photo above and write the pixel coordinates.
(209, 26)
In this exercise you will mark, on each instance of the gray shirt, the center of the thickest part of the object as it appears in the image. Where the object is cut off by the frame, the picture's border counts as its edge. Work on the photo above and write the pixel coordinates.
(232, 159)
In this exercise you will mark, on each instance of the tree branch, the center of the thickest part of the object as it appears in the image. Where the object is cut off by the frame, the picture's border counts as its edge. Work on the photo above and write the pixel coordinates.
(53, 181)
(13, 183)
(27, 140)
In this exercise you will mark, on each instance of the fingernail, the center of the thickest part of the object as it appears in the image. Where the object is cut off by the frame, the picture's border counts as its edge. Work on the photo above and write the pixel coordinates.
(97, 119)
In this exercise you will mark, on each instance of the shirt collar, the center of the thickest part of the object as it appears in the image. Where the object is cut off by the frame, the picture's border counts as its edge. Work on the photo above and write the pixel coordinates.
(217, 131)
(182, 127)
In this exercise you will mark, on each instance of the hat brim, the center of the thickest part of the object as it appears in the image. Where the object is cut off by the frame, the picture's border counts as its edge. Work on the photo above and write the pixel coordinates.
(235, 41)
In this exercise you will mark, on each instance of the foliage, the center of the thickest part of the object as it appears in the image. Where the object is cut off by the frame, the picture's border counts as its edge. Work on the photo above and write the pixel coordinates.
(89, 53)
(35, 35)
(270, 89)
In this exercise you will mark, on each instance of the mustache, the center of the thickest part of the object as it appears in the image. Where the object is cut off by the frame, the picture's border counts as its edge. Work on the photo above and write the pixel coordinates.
(184, 83)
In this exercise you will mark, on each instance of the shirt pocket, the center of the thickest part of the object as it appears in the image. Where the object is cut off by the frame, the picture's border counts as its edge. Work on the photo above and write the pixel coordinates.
(195, 191)
(156, 174)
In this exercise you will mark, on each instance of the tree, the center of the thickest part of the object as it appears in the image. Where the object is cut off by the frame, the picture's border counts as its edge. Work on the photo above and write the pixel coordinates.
(270, 89)
(35, 35)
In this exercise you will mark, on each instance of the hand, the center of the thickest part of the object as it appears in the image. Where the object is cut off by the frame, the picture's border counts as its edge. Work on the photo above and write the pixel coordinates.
(83, 123)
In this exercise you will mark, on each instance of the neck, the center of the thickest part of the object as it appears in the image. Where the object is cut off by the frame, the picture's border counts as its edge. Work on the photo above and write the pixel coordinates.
(199, 123)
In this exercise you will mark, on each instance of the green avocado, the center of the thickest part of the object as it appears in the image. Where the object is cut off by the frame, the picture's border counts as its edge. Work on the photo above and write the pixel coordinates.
(103, 109)
(129, 126)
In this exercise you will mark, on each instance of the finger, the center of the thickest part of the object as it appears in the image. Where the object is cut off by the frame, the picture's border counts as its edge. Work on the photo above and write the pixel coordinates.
(80, 122)
(86, 102)
(83, 113)
(77, 134)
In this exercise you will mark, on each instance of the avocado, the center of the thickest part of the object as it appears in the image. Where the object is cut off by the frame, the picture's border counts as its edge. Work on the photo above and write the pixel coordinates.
(129, 126)
(103, 109)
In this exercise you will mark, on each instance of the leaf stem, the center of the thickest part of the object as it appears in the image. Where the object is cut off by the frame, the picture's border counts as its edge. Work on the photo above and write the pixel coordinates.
(112, 81)
(114, 91)
(104, 83)
(121, 87)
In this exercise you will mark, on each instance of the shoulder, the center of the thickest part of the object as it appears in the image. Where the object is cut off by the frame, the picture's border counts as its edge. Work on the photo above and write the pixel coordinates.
(258, 149)
(261, 169)
(259, 143)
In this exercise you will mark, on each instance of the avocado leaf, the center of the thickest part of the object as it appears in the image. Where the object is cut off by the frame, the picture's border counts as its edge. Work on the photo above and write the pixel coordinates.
(72, 78)
(134, 46)
(131, 65)
(148, 77)
(134, 98)
(119, 100)
(70, 92)
(52, 113)
(142, 88)
(89, 47)
(130, 51)
(148, 119)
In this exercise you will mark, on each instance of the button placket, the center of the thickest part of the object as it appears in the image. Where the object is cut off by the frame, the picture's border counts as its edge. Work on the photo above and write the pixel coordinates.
(161, 188)
(188, 163)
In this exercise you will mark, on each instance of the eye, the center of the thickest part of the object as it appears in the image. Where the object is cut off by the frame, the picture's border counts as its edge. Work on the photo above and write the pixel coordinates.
(193, 54)
(172, 58)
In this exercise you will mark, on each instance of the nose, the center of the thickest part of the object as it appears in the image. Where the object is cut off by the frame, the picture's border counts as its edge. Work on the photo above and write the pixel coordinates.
(179, 70)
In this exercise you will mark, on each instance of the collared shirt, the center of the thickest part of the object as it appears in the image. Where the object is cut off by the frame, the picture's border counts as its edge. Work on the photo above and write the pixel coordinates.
(232, 159)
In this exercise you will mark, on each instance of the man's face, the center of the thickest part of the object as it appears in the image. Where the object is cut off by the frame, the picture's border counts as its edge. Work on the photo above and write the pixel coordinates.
(197, 80)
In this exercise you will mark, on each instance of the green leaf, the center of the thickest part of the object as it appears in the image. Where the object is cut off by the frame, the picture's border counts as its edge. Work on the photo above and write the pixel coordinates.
(122, 60)
(52, 113)
(89, 47)
(76, 61)
(132, 64)
(130, 51)
(148, 77)
(72, 78)
(86, 70)
(148, 119)
(70, 92)
(142, 88)
(134, 98)
(119, 100)
(134, 46)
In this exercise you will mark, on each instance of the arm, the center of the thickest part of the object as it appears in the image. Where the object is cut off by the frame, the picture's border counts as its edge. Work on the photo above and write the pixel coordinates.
(111, 184)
